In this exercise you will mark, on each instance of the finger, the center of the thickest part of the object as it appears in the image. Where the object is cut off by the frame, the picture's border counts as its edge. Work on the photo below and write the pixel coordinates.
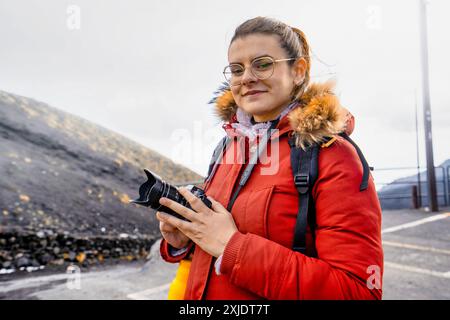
(166, 227)
(183, 226)
(194, 201)
(180, 209)
(217, 206)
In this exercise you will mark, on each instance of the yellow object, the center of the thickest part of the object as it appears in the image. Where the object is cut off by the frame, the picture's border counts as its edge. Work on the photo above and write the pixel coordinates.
(329, 143)
(178, 285)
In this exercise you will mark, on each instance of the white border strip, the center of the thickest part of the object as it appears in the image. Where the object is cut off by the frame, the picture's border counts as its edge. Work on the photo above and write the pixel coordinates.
(433, 273)
(416, 223)
(415, 247)
(146, 294)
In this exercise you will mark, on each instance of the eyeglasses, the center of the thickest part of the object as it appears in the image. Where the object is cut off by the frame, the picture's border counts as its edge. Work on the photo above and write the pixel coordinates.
(262, 68)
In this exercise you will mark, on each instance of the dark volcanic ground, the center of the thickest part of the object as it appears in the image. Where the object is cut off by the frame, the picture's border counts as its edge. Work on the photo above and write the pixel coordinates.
(65, 184)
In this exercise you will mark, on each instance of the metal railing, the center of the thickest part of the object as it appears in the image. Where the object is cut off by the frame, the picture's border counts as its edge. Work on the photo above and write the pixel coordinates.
(421, 192)
(443, 185)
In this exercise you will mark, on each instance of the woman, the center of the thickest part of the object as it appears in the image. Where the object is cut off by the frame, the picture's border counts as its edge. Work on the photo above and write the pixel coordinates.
(245, 252)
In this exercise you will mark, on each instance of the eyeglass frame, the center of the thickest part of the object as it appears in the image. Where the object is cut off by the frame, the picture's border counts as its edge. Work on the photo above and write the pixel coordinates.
(256, 59)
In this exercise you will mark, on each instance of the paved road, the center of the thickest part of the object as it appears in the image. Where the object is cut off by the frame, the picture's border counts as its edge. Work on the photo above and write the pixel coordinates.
(416, 254)
(417, 266)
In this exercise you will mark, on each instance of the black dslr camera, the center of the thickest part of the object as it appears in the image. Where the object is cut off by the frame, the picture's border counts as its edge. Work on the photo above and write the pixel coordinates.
(155, 188)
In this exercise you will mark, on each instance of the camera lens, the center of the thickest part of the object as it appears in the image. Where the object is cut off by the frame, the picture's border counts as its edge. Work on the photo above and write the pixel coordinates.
(155, 188)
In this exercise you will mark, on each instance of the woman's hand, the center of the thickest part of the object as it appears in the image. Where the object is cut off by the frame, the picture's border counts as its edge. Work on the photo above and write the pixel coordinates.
(172, 235)
(211, 229)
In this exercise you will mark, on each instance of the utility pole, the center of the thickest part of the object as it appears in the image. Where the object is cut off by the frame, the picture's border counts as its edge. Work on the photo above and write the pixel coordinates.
(419, 187)
(431, 177)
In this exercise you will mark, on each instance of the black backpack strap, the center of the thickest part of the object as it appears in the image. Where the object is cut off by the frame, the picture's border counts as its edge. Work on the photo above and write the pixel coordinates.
(304, 165)
(217, 157)
(365, 179)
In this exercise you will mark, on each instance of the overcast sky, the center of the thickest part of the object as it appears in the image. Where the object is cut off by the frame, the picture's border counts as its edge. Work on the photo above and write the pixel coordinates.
(146, 69)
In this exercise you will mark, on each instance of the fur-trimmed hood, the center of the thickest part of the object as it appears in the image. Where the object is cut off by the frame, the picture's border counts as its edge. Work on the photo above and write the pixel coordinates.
(318, 115)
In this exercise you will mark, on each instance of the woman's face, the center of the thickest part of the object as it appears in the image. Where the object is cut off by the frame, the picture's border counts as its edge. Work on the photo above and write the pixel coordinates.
(273, 93)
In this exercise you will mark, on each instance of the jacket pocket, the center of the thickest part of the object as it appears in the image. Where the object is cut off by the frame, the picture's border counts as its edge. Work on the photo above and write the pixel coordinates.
(257, 211)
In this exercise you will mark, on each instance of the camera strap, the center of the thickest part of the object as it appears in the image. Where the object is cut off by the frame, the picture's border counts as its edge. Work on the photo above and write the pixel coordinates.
(217, 157)
(253, 160)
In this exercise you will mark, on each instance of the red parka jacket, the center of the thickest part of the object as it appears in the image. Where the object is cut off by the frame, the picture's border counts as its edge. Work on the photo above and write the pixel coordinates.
(258, 262)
